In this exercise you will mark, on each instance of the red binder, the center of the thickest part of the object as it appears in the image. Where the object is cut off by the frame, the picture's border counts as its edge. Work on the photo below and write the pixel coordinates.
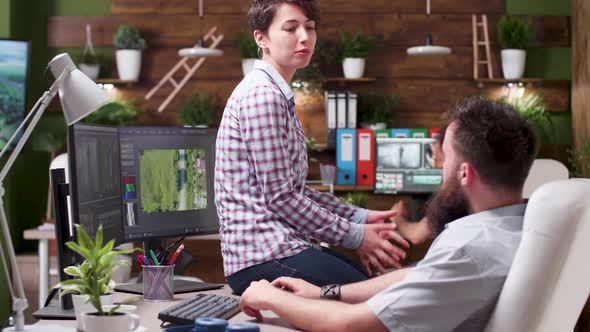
(365, 162)
(434, 132)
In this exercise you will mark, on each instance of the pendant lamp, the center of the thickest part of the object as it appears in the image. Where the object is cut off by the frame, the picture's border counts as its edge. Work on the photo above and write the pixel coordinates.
(428, 48)
(199, 50)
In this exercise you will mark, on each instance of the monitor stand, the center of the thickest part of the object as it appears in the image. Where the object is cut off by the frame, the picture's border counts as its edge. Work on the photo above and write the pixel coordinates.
(182, 284)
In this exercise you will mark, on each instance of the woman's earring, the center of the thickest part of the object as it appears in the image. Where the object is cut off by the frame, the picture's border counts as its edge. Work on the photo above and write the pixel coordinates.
(259, 52)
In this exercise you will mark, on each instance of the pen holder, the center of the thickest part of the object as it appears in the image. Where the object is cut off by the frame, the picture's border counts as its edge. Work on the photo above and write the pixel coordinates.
(327, 173)
(158, 282)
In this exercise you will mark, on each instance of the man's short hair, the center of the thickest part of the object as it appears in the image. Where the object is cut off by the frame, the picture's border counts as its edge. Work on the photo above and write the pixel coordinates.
(496, 139)
(262, 12)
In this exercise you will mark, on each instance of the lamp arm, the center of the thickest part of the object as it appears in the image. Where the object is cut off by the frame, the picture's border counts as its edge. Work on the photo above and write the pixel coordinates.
(19, 300)
(20, 127)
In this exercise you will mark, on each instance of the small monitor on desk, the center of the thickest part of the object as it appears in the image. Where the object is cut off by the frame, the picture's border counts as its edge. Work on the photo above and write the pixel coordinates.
(407, 165)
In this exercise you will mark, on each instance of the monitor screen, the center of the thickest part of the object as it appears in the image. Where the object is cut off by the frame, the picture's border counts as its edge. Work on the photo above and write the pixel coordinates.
(143, 183)
(407, 165)
(14, 69)
(167, 178)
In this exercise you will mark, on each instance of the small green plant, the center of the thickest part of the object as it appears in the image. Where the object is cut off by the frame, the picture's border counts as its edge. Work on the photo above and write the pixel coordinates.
(357, 198)
(356, 45)
(377, 107)
(580, 159)
(532, 108)
(94, 275)
(247, 45)
(118, 112)
(197, 109)
(514, 33)
(128, 38)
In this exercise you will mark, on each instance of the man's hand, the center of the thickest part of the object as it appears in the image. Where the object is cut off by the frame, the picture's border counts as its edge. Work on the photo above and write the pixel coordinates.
(256, 298)
(377, 251)
(298, 287)
(375, 217)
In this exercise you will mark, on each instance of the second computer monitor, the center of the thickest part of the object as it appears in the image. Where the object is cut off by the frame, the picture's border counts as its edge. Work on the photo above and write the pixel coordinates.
(167, 178)
(407, 165)
(143, 183)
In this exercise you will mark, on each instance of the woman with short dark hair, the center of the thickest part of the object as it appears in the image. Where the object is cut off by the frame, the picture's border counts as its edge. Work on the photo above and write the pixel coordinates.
(266, 212)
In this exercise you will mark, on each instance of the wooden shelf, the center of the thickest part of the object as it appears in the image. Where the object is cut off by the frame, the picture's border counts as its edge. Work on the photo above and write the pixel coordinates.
(320, 187)
(115, 81)
(349, 80)
(481, 81)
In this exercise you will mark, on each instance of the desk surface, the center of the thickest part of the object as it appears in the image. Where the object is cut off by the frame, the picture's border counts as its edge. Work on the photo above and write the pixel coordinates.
(148, 313)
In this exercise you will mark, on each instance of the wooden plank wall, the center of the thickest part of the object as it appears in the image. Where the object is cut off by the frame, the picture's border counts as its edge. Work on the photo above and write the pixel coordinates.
(581, 74)
(427, 85)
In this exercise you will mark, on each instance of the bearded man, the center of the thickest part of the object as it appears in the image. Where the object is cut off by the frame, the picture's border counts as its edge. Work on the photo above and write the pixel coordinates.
(488, 150)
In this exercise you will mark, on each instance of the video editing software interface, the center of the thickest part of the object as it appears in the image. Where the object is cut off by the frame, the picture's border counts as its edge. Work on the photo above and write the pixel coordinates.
(407, 165)
(158, 182)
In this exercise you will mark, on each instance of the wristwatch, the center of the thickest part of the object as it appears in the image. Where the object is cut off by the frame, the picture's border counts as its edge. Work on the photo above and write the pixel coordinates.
(330, 292)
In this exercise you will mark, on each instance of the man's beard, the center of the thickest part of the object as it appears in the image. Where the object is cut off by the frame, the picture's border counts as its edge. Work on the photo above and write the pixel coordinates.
(447, 204)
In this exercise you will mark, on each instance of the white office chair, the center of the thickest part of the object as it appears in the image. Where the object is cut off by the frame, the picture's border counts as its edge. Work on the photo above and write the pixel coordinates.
(543, 171)
(549, 281)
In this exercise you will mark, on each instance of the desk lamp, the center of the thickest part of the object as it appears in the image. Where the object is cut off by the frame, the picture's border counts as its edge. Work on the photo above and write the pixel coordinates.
(200, 51)
(79, 96)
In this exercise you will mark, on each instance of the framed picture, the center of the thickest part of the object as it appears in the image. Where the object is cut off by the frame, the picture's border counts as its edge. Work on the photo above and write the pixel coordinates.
(14, 75)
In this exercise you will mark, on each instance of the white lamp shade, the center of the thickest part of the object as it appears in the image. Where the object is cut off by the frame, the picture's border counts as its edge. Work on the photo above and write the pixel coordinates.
(429, 50)
(199, 52)
(79, 95)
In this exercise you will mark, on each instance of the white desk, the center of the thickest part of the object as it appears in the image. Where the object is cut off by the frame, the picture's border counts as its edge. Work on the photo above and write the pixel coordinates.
(43, 236)
(148, 313)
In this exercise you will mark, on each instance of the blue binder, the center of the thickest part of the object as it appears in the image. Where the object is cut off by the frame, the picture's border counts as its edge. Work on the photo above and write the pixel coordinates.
(346, 156)
(401, 133)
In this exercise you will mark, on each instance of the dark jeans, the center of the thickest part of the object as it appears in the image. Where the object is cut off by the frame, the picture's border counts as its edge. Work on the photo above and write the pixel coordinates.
(319, 267)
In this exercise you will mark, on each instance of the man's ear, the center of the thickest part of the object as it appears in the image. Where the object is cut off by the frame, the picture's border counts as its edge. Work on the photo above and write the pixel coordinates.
(466, 173)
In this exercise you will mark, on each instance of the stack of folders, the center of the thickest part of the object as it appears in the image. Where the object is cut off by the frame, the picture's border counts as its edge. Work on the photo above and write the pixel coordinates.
(340, 113)
(355, 151)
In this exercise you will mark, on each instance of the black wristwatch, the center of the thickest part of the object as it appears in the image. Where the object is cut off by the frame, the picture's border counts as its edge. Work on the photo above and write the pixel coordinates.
(330, 292)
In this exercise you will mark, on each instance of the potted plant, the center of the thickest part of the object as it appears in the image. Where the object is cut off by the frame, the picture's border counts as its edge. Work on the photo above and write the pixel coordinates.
(514, 35)
(129, 45)
(93, 284)
(580, 159)
(375, 109)
(532, 108)
(355, 48)
(248, 50)
(356, 198)
(197, 110)
(118, 112)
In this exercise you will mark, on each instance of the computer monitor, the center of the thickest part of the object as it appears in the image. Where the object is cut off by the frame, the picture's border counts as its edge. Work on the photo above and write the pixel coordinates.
(407, 165)
(143, 183)
(14, 74)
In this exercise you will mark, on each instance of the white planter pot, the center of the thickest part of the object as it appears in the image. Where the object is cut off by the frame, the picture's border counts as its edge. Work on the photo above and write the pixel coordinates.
(353, 67)
(247, 65)
(118, 322)
(374, 126)
(90, 70)
(513, 62)
(80, 306)
(128, 64)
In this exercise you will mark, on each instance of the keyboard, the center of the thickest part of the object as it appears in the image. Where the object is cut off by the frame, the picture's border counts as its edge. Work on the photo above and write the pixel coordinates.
(201, 305)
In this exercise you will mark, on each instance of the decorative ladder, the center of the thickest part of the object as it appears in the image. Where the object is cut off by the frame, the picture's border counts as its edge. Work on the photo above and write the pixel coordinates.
(477, 44)
(190, 71)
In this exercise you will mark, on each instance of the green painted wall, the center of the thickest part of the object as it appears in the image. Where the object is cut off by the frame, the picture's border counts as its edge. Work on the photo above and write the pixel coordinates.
(4, 18)
(548, 63)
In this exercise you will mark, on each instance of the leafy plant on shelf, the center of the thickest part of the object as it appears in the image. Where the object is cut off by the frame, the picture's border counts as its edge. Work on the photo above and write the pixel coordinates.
(357, 198)
(128, 38)
(375, 107)
(118, 112)
(356, 45)
(247, 45)
(93, 277)
(532, 108)
(197, 110)
(514, 33)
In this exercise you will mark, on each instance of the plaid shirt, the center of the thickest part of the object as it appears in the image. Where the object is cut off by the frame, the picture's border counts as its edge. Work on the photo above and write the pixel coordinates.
(265, 210)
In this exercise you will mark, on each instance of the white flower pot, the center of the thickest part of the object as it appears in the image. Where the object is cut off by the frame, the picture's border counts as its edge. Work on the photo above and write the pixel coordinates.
(90, 70)
(81, 306)
(247, 65)
(374, 126)
(513, 62)
(128, 64)
(353, 67)
(118, 322)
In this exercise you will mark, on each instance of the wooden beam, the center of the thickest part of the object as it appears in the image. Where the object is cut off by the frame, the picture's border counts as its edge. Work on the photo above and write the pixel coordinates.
(581, 72)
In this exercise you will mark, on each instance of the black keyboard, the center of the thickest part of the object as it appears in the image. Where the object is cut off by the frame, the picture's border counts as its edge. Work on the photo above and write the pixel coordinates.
(201, 305)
